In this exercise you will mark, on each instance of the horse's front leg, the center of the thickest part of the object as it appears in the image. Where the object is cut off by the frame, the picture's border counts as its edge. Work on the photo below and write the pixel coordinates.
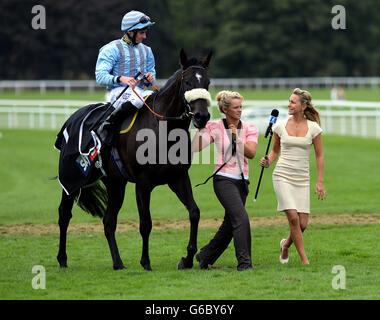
(182, 188)
(143, 193)
(116, 192)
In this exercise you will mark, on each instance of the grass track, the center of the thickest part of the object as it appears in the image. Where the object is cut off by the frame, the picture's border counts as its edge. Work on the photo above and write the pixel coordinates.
(27, 196)
(90, 275)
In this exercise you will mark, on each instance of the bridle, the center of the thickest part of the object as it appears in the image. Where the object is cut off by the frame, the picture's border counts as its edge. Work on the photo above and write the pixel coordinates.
(187, 113)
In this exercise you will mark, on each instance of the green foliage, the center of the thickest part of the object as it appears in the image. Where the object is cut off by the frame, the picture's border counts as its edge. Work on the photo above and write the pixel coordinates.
(272, 38)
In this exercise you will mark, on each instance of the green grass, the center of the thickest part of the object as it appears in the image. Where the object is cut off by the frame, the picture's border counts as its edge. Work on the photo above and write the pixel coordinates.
(90, 274)
(28, 196)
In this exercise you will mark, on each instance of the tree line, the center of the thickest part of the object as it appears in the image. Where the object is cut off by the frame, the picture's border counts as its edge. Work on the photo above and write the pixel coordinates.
(263, 38)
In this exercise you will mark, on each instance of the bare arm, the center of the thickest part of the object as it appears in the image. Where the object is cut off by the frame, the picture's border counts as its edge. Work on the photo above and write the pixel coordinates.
(250, 149)
(273, 155)
(318, 148)
(197, 143)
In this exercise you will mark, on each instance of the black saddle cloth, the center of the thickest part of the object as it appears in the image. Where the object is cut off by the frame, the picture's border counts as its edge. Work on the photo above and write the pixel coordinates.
(79, 146)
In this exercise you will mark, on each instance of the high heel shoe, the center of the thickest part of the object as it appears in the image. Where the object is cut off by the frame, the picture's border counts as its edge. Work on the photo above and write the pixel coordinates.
(283, 261)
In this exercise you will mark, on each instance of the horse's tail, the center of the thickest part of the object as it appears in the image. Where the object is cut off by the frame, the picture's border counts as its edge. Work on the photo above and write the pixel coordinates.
(93, 199)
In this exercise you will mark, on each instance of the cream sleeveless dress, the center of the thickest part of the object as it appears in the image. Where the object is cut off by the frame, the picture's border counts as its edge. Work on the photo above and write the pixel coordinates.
(291, 179)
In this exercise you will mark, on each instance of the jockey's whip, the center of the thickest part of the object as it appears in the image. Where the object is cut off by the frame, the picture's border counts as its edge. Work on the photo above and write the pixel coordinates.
(121, 93)
(125, 89)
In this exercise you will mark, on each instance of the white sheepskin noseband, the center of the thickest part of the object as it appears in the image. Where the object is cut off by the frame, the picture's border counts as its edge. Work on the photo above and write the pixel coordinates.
(198, 93)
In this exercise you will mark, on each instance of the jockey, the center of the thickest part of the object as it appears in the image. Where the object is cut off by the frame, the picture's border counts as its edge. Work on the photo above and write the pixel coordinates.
(118, 62)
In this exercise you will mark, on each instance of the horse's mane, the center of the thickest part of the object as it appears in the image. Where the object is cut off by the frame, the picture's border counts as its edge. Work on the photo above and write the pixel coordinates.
(190, 62)
(170, 82)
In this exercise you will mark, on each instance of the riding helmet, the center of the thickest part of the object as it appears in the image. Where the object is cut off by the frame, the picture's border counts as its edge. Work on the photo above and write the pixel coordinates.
(135, 20)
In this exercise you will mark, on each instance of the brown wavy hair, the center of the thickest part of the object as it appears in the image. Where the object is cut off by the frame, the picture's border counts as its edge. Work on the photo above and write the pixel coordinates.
(311, 113)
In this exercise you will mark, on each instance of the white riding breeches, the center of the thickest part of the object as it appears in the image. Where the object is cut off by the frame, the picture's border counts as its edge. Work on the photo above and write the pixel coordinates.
(128, 95)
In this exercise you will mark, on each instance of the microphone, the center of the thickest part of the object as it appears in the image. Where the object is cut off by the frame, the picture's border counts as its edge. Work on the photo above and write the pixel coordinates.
(272, 121)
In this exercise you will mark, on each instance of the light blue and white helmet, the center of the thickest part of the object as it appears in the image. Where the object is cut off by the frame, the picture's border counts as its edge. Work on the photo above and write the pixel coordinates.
(135, 20)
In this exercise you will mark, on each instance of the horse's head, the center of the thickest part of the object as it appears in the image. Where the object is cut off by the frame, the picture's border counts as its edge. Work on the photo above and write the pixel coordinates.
(194, 83)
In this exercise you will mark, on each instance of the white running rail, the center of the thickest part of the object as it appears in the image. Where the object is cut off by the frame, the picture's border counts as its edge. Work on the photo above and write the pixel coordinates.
(355, 118)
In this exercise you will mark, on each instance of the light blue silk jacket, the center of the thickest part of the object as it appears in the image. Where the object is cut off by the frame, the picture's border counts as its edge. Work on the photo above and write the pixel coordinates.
(118, 58)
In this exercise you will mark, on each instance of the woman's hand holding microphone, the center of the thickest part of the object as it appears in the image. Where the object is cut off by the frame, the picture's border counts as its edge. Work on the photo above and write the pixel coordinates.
(264, 162)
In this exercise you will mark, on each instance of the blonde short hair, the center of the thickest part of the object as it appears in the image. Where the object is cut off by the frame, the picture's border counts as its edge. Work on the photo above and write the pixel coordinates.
(311, 113)
(224, 98)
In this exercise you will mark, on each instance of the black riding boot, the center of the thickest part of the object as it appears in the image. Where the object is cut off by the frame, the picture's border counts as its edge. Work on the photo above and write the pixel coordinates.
(107, 129)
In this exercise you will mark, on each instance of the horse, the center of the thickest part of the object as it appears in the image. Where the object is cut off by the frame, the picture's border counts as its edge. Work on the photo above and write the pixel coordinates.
(104, 194)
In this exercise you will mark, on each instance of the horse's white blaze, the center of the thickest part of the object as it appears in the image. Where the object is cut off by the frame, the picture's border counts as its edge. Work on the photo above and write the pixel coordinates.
(199, 77)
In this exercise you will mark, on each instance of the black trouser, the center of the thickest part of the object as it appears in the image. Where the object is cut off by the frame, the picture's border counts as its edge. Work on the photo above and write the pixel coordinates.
(232, 194)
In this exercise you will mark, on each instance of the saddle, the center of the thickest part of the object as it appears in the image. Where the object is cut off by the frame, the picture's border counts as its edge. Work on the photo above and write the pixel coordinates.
(80, 147)
(128, 123)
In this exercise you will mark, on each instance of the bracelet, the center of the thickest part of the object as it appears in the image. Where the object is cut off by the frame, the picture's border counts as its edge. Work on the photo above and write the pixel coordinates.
(118, 79)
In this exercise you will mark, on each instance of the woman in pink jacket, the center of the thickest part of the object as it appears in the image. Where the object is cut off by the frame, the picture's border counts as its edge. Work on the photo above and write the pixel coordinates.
(230, 179)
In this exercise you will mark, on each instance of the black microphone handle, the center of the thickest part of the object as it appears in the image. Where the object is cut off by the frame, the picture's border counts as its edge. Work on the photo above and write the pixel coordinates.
(269, 129)
(262, 168)
(258, 185)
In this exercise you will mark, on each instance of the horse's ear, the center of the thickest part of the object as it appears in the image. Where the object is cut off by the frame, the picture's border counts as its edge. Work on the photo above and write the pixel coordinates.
(183, 57)
(206, 60)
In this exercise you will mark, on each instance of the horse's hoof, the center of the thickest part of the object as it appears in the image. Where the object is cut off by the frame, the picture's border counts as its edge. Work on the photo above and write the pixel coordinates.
(146, 266)
(121, 267)
(62, 262)
(184, 264)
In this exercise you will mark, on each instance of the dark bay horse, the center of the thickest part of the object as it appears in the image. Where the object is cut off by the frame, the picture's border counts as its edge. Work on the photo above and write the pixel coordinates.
(105, 196)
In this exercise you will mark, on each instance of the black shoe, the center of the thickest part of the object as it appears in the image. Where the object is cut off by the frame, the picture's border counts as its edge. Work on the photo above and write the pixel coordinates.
(107, 130)
(202, 264)
(244, 268)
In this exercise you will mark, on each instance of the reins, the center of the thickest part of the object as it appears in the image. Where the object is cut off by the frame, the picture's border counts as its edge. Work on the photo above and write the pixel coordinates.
(187, 114)
(155, 89)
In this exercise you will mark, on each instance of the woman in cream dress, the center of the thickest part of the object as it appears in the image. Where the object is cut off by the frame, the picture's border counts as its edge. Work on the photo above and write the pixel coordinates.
(291, 179)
